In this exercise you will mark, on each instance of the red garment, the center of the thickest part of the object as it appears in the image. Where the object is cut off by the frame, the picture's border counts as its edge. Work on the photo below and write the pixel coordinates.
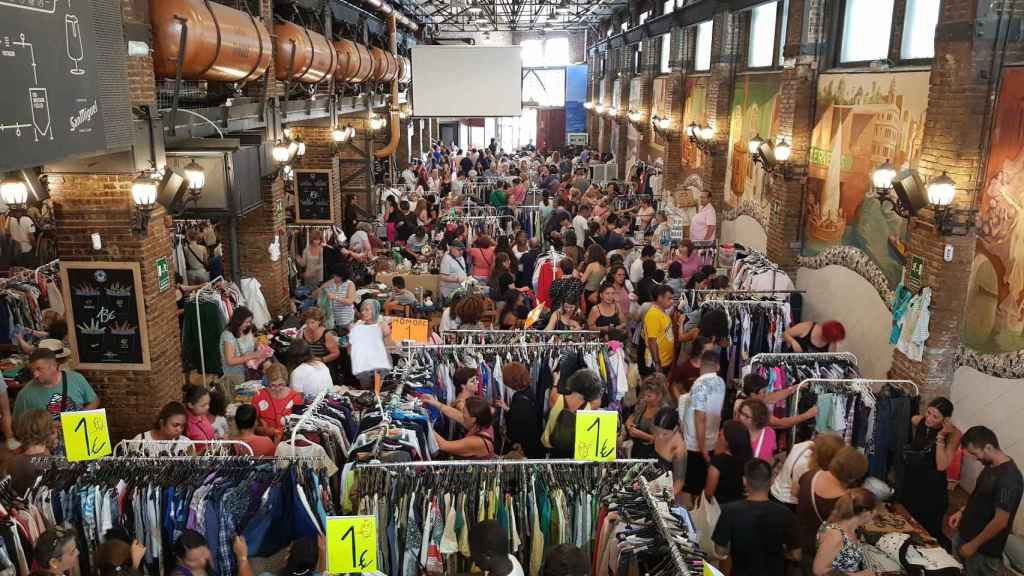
(271, 411)
(261, 445)
(544, 279)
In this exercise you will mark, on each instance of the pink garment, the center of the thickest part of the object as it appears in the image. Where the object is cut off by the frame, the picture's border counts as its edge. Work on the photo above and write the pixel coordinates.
(199, 428)
(691, 265)
(702, 226)
(483, 260)
(767, 441)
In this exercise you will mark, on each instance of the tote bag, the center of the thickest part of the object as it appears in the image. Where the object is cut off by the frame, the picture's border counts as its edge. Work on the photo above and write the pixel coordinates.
(705, 515)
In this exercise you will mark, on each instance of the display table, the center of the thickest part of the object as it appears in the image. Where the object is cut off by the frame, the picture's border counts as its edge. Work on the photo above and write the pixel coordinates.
(413, 281)
(893, 517)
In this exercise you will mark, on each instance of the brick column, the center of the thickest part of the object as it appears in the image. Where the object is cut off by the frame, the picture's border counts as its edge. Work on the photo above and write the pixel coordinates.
(797, 92)
(352, 164)
(402, 153)
(719, 105)
(84, 205)
(954, 136)
(618, 124)
(255, 234)
(141, 79)
(417, 138)
(604, 135)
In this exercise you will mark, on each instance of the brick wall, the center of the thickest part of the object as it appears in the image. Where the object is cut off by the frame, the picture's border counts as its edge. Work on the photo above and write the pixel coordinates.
(255, 234)
(84, 205)
(719, 104)
(141, 80)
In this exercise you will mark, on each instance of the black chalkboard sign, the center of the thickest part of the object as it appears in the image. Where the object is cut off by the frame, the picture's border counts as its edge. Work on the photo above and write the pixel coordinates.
(382, 170)
(106, 315)
(48, 59)
(313, 197)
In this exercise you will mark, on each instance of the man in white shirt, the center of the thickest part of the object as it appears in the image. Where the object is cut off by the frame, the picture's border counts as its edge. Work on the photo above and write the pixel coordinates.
(409, 176)
(701, 420)
(580, 224)
(636, 267)
(453, 269)
(458, 185)
(704, 223)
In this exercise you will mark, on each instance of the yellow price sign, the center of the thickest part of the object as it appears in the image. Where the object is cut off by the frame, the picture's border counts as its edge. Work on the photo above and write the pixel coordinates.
(710, 570)
(596, 433)
(351, 544)
(86, 436)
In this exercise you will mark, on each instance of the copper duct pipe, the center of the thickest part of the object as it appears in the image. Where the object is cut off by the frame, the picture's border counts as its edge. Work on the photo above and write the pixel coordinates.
(395, 119)
(390, 10)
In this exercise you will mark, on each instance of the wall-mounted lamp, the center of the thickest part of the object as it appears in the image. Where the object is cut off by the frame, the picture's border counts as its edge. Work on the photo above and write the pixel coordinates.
(196, 177)
(287, 173)
(881, 183)
(588, 105)
(949, 220)
(300, 150)
(345, 134)
(661, 124)
(599, 108)
(376, 122)
(144, 197)
(280, 152)
(14, 192)
(635, 116)
(702, 137)
(611, 112)
(772, 159)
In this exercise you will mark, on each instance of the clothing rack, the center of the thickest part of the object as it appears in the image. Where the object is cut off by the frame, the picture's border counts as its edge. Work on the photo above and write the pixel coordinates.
(905, 385)
(773, 359)
(659, 521)
(124, 447)
(504, 463)
(199, 321)
(49, 270)
(308, 414)
(458, 336)
(453, 347)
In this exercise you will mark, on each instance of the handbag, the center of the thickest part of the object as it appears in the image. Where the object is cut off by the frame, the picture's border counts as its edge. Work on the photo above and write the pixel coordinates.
(705, 515)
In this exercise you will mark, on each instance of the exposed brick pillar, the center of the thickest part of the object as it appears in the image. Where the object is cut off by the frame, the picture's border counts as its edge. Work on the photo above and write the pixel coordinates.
(954, 134)
(604, 136)
(320, 155)
(417, 138)
(402, 153)
(352, 164)
(719, 105)
(796, 123)
(619, 125)
(255, 234)
(141, 80)
(103, 204)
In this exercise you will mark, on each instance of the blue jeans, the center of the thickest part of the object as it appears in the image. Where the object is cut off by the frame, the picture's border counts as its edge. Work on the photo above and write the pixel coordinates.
(979, 564)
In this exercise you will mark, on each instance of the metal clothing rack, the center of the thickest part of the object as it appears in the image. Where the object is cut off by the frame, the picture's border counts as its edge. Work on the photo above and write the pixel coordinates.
(124, 448)
(50, 269)
(777, 359)
(199, 321)
(453, 347)
(905, 385)
(521, 335)
(308, 414)
(504, 463)
(659, 521)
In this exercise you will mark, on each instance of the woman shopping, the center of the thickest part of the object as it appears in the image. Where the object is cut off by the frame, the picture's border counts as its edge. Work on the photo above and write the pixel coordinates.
(932, 447)
(653, 396)
(312, 261)
(478, 444)
(839, 549)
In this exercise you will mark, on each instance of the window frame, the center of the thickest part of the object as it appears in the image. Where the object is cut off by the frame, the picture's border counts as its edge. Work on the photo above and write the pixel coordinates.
(696, 41)
(665, 49)
(777, 45)
(896, 30)
(638, 58)
(665, 6)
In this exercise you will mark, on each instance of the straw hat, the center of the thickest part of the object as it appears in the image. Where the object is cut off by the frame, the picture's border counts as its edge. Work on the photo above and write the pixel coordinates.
(56, 346)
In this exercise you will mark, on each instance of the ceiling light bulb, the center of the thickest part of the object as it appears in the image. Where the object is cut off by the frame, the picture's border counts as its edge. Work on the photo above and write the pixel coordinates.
(14, 190)
(196, 176)
(941, 191)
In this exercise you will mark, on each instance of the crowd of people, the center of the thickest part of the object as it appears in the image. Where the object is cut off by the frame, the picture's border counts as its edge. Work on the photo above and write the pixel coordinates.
(782, 504)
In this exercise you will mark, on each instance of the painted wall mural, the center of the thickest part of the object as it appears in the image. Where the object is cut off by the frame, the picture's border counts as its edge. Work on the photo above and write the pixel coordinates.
(693, 160)
(659, 107)
(862, 121)
(755, 109)
(994, 319)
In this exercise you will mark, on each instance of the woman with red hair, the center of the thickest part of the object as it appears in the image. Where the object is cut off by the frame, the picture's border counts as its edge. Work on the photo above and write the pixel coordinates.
(813, 337)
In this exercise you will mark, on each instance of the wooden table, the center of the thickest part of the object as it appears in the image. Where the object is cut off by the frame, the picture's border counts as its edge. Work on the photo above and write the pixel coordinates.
(413, 281)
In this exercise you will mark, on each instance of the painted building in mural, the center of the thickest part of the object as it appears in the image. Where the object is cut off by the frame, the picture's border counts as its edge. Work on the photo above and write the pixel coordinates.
(994, 319)
(693, 160)
(754, 113)
(862, 121)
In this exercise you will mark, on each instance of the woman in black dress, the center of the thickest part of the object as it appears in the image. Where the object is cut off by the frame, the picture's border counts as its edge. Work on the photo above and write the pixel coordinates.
(932, 447)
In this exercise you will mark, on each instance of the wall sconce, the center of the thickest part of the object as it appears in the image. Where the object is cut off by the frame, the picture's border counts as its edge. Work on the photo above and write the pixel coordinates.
(196, 177)
(661, 124)
(300, 150)
(144, 197)
(14, 192)
(287, 173)
(772, 159)
(702, 137)
(599, 108)
(345, 134)
(588, 105)
(611, 112)
(635, 116)
(281, 152)
(376, 122)
(881, 183)
(949, 221)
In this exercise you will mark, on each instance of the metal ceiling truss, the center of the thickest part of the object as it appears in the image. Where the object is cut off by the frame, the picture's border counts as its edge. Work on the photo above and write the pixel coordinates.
(462, 16)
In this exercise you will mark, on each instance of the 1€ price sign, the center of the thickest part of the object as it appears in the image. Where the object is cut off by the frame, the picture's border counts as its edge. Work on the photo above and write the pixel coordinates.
(596, 432)
(351, 544)
(85, 435)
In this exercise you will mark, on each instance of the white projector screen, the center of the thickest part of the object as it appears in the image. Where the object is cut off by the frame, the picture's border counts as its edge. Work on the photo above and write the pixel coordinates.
(460, 81)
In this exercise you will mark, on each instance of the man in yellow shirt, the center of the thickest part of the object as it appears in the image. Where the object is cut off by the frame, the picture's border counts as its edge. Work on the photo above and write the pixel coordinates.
(658, 330)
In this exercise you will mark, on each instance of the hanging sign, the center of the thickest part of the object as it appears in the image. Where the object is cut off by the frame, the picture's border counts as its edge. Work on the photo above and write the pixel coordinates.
(163, 274)
(313, 197)
(415, 329)
(596, 433)
(351, 544)
(85, 435)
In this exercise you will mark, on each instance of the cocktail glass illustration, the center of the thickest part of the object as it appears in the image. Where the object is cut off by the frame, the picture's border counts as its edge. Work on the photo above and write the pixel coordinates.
(73, 35)
(40, 103)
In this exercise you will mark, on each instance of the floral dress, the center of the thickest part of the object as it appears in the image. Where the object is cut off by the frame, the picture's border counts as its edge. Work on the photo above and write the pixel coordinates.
(850, 557)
